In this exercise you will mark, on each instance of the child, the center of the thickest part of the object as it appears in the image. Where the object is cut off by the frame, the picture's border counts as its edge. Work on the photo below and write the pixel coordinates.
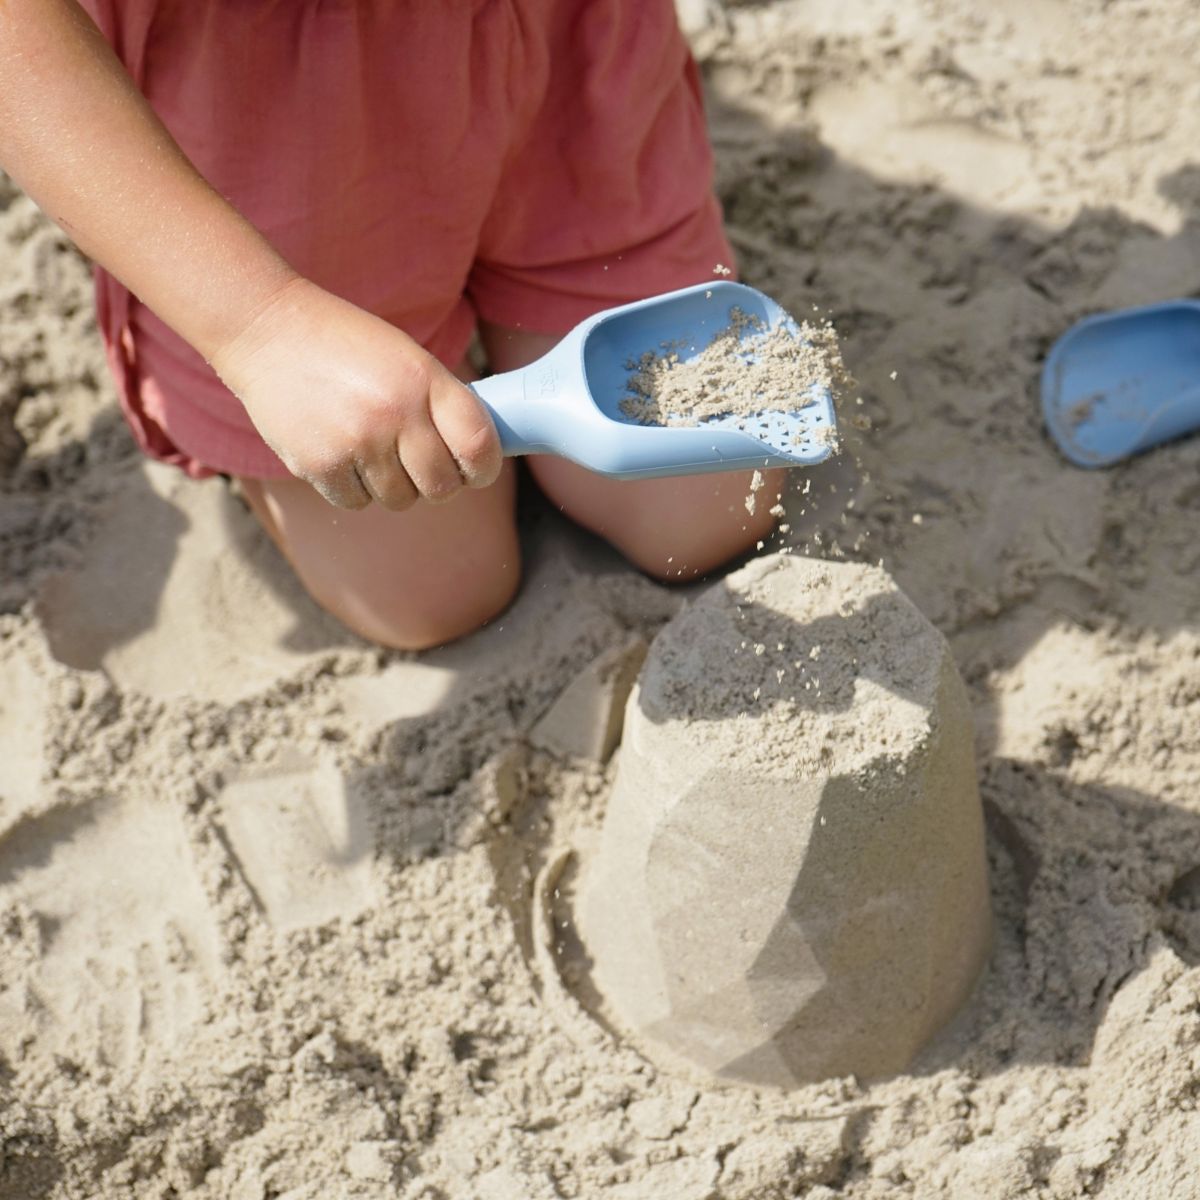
(301, 210)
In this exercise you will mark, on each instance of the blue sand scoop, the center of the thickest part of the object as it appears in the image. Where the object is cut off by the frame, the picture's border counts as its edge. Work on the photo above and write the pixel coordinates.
(1118, 383)
(569, 401)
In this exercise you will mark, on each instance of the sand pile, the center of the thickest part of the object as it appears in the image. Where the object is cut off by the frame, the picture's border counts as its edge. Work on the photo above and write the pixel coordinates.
(953, 183)
(790, 883)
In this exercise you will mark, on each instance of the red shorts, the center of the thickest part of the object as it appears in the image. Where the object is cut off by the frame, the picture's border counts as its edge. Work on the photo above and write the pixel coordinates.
(526, 162)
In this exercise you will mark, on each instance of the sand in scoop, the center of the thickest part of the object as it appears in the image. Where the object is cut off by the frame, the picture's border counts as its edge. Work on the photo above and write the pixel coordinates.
(746, 370)
(791, 883)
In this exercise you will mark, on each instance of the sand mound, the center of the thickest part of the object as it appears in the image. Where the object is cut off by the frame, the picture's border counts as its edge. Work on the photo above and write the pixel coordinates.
(790, 884)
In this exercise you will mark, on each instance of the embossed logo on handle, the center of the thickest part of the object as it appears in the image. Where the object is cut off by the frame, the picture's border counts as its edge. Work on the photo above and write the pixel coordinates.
(547, 381)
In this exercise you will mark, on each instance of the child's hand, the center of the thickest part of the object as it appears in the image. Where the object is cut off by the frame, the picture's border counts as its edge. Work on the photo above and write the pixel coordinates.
(355, 407)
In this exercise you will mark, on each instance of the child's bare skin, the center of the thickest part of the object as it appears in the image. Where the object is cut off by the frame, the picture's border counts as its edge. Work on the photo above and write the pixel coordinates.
(355, 408)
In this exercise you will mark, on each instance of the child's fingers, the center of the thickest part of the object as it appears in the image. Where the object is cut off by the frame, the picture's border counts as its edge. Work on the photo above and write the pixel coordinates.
(467, 430)
(421, 452)
(387, 481)
(344, 487)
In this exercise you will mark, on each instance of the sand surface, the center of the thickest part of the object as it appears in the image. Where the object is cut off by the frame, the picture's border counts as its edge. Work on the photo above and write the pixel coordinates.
(276, 909)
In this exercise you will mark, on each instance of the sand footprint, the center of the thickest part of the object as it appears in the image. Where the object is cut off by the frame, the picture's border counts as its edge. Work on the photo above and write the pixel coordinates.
(303, 842)
(123, 942)
(130, 1002)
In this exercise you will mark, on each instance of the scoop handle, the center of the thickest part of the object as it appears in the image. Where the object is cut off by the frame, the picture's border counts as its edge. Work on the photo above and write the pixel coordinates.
(516, 420)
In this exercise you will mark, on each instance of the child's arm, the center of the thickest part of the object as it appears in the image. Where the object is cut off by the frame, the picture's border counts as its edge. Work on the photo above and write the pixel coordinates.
(332, 389)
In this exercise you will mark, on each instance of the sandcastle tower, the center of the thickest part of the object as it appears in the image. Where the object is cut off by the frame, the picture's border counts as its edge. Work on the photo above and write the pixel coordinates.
(790, 883)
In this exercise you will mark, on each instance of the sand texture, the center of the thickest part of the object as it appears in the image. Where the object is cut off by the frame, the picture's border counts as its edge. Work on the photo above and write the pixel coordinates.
(182, 735)
(790, 883)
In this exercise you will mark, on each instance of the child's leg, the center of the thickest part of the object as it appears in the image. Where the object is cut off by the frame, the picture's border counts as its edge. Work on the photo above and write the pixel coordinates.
(410, 579)
(674, 528)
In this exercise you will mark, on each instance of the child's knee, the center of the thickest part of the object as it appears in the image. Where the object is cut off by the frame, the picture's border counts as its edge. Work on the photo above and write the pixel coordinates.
(409, 580)
(436, 612)
(690, 549)
(672, 529)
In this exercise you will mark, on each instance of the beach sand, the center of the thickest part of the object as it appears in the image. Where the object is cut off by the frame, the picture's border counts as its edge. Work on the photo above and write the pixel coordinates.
(280, 912)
